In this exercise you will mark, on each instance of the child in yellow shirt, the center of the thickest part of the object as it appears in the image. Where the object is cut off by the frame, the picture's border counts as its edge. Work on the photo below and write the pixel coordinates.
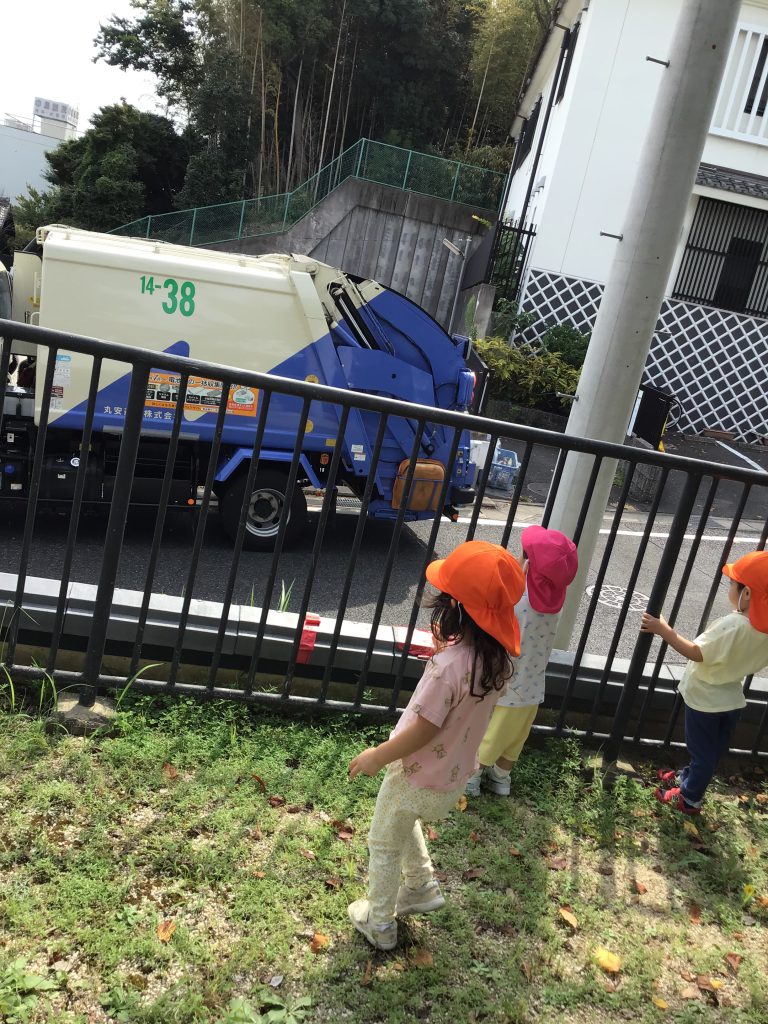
(731, 648)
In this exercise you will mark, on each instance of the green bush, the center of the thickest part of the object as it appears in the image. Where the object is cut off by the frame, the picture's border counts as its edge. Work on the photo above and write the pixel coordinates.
(526, 376)
(567, 342)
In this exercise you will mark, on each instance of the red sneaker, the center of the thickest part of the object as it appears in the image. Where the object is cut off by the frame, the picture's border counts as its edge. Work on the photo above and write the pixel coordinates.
(666, 776)
(675, 799)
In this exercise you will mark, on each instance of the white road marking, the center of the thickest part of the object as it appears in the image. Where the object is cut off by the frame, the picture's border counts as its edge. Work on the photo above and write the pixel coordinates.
(741, 455)
(655, 535)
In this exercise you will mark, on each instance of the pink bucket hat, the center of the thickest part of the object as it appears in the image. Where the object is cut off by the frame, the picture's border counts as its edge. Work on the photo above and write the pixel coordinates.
(552, 564)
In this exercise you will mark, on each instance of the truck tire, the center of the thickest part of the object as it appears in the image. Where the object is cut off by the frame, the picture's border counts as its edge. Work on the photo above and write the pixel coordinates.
(264, 510)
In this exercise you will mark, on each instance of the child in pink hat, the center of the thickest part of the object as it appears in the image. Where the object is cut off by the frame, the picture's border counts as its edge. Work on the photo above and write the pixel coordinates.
(550, 561)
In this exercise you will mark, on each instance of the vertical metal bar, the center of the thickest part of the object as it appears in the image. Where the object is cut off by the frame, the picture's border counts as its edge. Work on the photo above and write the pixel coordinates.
(407, 168)
(482, 485)
(361, 145)
(422, 579)
(34, 491)
(192, 226)
(197, 546)
(597, 586)
(242, 218)
(516, 494)
(154, 551)
(328, 500)
(250, 480)
(559, 467)
(113, 542)
(149, 226)
(585, 504)
(74, 517)
(390, 561)
(293, 473)
(676, 605)
(353, 554)
(455, 181)
(658, 594)
(285, 212)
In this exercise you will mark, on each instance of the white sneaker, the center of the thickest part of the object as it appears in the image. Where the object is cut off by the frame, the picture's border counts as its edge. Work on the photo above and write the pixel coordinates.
(496, 781)
(472, 787)
(423, 900)
(382, 936)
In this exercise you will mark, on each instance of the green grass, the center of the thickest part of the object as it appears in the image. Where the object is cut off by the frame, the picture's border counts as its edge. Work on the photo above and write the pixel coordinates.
(103, 840)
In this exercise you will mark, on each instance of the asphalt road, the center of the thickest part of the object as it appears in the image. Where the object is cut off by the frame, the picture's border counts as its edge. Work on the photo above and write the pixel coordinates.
(47, 551)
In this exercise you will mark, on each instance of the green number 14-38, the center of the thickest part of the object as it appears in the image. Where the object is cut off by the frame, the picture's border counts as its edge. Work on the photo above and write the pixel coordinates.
(179, 295)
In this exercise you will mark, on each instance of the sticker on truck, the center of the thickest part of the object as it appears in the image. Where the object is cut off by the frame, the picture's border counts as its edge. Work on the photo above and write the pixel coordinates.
(203, 395)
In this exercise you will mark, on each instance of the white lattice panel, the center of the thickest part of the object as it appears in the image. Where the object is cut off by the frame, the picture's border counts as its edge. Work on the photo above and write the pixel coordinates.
(715, 362)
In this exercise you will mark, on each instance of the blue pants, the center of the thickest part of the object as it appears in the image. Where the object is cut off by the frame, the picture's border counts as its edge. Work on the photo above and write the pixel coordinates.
(707, 736)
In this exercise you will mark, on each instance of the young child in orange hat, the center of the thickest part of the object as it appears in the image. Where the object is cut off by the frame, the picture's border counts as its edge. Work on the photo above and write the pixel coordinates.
(729, 649)
(433, 748)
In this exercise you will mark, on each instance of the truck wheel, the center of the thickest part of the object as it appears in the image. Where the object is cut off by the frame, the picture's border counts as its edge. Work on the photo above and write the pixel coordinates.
(265, 507)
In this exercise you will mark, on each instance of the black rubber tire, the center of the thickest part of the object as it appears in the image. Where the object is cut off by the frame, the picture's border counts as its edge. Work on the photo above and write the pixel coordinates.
(265, 507)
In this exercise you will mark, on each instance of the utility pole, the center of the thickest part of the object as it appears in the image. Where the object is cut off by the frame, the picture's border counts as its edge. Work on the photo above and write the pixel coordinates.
(634, 292)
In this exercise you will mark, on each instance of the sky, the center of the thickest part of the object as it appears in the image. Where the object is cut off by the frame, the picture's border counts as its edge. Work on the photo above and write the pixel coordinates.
(48, 51)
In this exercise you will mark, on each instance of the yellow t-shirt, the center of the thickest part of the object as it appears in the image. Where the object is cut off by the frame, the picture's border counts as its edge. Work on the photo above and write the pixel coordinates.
(731, 649)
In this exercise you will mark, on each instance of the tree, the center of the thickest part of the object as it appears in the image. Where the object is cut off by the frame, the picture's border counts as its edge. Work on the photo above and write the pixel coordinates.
(128, 164)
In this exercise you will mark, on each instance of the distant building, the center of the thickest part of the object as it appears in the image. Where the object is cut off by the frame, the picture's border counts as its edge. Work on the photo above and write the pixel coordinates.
(24, 144)
(584, 116)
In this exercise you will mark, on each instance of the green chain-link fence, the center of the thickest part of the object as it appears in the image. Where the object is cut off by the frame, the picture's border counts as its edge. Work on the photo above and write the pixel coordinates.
(371, 161)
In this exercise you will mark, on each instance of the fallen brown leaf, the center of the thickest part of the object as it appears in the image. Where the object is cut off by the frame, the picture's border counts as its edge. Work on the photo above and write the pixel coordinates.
(256, 833)
(422, 958)
(739, 936)
(165, 930)
(761, 798)
(368, 975)
(431, 834)
(514, 852)
(441, 876)
(734, 961)
(462, 803)
(640, 889)
(276, 801)
(691, 829)
(608, 961)
(260, 783)
(293, 809)
(762, 901)
(568, 915)
(687, 976)
(557, 863)
(605, 869)
(345, 834)
(689, 993)
(170, 772)
(319, 942)
(309, 854)
(473, 836)
(704, 982)
(472, 873)
(743, 798)
(527, 971)
(694, 912)
(332, 883)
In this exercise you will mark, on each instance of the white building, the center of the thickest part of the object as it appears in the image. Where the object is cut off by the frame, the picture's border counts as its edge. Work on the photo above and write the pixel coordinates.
(583, 120)
(24, 143)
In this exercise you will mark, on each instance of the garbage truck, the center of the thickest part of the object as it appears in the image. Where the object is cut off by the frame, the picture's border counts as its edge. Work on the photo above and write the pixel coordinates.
(291, 316)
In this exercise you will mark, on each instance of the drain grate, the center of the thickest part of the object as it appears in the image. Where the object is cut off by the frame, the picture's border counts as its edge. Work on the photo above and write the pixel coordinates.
(614, 597)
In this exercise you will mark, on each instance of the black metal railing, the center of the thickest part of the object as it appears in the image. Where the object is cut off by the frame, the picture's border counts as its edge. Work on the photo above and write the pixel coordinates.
(509, 259)
(204, 619)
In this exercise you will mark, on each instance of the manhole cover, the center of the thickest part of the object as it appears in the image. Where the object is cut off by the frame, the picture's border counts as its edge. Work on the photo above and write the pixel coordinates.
(614, 597)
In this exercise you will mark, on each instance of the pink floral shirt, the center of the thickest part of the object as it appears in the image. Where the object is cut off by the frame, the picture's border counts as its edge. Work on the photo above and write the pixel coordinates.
(443, 697)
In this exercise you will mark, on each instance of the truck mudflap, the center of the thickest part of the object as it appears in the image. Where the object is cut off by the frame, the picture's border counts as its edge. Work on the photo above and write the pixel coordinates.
(267, 455)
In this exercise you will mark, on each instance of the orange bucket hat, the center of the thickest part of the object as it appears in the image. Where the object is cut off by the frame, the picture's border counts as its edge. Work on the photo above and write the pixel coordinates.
(488, 581)
(752, 571)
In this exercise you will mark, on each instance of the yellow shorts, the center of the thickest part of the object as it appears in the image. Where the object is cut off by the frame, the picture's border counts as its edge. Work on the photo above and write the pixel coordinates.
(506, 733)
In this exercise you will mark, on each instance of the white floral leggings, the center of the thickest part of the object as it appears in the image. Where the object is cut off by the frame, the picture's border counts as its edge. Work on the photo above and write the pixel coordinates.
(396, 842)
